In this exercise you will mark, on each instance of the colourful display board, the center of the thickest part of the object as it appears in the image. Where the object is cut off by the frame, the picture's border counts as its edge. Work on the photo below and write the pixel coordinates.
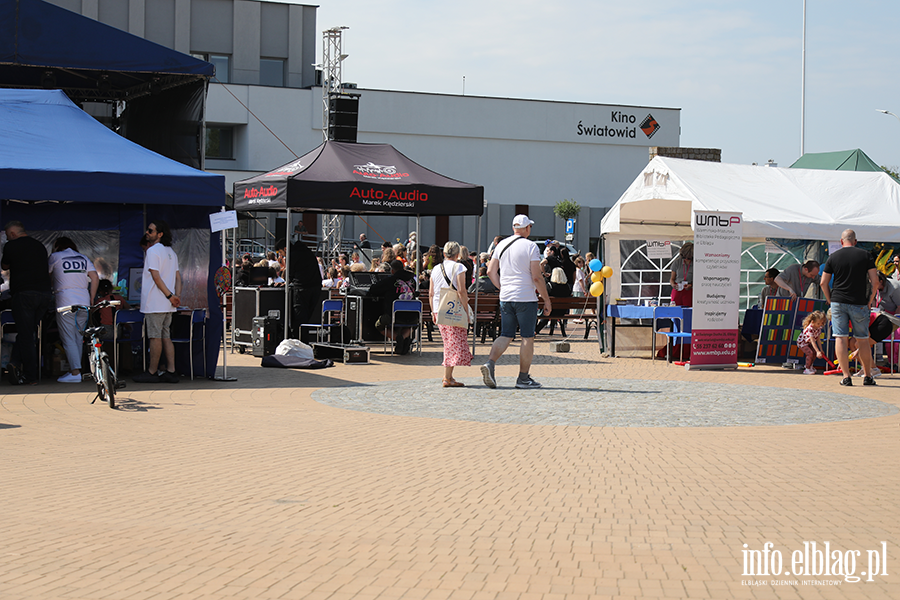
(782, 324)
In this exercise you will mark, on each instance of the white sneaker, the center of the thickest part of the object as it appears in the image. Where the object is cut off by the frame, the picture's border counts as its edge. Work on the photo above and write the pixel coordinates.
(809, 371)
(860, 373)
(876, 372)
(70, 378)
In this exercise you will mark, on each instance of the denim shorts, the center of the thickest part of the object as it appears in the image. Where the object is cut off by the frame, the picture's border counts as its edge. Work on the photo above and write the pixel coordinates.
(521, 314)
(844, 314)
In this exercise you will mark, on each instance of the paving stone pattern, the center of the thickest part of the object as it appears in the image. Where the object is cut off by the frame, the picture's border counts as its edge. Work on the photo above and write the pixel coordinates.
(254, 490)
(606, 403)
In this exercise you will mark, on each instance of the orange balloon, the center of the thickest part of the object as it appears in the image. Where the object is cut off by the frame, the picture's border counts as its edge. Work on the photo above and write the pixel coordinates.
(597, 288)
(598, 276)
(606, 271)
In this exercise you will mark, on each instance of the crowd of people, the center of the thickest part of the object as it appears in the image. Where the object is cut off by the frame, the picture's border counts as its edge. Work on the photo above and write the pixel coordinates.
(863, 300)
(40, 281)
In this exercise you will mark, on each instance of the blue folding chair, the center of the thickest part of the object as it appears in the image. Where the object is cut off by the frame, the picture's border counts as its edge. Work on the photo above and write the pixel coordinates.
(680, 333)
(332, 316)
(330, 309)
(406, 307)
(680, 317)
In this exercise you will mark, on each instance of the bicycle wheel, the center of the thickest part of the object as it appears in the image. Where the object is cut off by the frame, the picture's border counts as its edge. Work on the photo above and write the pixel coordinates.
(107, 383)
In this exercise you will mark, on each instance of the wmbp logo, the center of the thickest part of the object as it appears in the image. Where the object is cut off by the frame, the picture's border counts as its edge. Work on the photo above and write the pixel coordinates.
(658, 245)
(649, 126)
(816, 561)
(716, 221)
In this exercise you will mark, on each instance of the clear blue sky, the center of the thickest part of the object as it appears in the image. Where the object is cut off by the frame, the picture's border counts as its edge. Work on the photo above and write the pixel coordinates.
(733, 68)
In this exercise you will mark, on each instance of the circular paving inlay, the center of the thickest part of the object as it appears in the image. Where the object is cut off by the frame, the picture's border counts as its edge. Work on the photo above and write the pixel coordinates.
(604, 403)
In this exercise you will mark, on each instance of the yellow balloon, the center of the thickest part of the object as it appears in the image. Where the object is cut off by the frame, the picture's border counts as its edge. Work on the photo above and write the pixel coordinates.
(606, 271)
(597, 288)
(598, 276)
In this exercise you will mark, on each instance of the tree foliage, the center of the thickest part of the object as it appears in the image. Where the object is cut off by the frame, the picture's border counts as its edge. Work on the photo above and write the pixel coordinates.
(566, 209)
(892, 171)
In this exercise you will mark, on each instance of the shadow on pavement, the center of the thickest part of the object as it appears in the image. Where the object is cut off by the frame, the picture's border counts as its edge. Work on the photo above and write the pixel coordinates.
(132, 405)
(8, 426)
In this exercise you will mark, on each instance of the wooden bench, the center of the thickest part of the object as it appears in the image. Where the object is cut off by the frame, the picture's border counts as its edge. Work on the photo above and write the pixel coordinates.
(487, 319)
(569, 305)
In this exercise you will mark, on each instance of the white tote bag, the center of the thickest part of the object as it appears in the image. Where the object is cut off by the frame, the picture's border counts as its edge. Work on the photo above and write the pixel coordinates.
(450, 309)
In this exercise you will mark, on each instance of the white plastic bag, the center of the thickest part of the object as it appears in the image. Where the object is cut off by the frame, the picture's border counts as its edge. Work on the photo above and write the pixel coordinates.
(295, 348)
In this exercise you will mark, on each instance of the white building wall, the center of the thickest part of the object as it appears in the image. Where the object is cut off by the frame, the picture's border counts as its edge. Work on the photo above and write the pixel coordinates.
(524, 152)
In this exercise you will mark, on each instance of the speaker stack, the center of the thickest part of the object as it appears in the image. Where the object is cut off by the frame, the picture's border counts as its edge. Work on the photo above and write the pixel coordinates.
(343, 117)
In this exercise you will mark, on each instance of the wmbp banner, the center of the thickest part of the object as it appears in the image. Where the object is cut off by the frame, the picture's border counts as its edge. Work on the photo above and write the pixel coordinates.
(659, 249)
(717, 275)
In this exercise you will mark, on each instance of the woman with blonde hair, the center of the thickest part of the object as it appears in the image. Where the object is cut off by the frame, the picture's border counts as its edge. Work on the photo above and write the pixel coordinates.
(388, 255)
(451, 273)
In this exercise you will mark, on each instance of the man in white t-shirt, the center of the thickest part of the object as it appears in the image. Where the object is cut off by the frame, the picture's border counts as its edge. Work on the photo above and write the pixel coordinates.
(74, 280)
(515, 269)
(160, 291)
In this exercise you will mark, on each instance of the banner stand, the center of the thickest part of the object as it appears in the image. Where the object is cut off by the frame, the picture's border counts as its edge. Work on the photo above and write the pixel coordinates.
(716, 284)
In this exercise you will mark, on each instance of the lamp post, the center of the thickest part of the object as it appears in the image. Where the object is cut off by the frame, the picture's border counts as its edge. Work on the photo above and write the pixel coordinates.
(803, 87)
(887, 112)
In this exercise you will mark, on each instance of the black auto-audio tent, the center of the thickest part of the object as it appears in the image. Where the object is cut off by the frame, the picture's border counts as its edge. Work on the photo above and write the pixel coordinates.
(343, 177)
(62, 170)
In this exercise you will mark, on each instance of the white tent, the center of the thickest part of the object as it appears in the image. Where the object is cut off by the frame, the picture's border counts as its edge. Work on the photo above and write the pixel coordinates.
(806, 204)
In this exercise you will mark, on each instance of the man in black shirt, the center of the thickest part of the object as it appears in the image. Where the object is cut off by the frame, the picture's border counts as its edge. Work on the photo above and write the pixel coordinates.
(305, 284)
(849, 268)
(29, 284)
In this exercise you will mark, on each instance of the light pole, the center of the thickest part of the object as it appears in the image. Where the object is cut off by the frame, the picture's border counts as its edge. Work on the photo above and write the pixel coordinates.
(803, 87)
(887, 112)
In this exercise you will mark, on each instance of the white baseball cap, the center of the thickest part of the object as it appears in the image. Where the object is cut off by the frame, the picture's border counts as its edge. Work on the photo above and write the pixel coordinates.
(522, 221)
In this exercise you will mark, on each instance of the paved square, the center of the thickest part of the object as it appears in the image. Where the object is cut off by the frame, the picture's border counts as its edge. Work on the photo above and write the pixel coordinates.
(263, 489)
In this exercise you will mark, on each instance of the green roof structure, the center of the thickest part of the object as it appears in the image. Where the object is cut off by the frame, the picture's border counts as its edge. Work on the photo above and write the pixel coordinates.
(846, 160)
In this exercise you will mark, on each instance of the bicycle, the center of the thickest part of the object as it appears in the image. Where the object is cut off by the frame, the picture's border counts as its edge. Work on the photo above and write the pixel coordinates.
(104, 375)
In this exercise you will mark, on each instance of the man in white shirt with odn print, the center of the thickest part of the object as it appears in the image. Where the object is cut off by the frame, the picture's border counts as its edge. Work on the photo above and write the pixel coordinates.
(160, 291)
(516, 269)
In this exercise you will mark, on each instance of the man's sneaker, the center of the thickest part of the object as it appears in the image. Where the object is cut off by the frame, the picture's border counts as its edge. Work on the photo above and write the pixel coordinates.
(168, 377)
(809, 371)
(868, 381)
(146, 377)
(70, 378)
(860, 373)
(487, 373)
(527, 383)
(876, 372)
(847, 381)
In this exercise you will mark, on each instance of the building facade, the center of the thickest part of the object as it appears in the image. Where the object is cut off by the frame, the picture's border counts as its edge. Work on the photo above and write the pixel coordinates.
(264, 109)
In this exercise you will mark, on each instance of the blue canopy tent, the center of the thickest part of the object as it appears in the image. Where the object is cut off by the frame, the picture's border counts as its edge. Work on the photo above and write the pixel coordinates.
(155, 96)
(62, 170)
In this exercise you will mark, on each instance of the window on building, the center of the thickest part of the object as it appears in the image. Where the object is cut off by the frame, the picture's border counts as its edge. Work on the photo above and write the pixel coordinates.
(220, 142)
(222, 62)
(271, 72)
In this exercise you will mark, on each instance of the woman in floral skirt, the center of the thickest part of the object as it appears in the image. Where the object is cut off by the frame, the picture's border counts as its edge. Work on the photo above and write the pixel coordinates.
(451, 273)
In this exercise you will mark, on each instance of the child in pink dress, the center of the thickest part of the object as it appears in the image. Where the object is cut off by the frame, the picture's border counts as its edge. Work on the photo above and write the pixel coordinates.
(808, 341)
